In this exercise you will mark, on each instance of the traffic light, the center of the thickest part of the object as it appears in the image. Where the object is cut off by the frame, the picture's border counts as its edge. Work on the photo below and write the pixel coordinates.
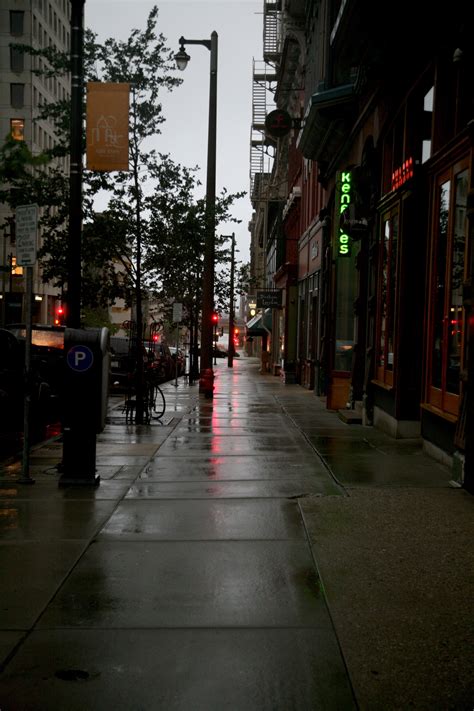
(60, 316)
(236, 331)
(215, 318)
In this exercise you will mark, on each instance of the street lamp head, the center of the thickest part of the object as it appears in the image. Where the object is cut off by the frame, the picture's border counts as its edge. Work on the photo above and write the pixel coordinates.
(181, 57)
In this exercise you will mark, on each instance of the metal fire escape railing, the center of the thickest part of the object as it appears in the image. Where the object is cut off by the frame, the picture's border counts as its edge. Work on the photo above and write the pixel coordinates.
(264, 77)
(271, 31)
(261, 145)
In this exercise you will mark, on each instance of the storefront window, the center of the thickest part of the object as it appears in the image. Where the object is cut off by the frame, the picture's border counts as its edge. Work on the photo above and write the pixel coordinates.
(387, 297)
(449, 258)
(344, 326)
(439, 283)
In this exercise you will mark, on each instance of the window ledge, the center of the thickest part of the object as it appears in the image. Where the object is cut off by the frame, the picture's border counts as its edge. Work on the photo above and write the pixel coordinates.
(439, 413)
(384, 386)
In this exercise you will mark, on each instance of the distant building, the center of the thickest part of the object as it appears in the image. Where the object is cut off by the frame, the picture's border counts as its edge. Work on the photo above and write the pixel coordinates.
(39, 23)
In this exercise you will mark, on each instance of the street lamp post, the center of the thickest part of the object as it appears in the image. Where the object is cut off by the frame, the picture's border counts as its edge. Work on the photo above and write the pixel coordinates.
(182, 59)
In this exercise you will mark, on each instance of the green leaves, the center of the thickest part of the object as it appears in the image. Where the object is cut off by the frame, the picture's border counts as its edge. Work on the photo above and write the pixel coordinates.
(150, 237)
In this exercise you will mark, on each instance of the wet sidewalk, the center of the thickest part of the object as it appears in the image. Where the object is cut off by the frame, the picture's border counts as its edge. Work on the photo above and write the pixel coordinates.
(249, 552)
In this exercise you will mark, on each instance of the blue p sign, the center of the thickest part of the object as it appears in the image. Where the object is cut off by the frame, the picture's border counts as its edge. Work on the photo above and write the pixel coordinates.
(80, 358)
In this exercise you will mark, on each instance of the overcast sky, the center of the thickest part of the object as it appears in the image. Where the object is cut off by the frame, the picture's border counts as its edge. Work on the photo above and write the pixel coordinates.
(239, 25)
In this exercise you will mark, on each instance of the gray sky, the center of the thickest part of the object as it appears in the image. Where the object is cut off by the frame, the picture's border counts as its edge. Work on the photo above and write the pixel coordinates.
(238, 24)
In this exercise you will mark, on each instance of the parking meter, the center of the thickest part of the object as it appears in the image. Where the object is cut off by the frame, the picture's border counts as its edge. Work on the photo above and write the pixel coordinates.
(86, 383)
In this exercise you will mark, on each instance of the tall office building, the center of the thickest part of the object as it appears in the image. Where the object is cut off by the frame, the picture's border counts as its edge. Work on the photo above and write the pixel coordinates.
(39, 23)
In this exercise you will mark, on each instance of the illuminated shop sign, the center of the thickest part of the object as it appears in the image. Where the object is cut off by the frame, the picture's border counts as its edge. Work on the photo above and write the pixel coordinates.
(343, 200)
(402, 174)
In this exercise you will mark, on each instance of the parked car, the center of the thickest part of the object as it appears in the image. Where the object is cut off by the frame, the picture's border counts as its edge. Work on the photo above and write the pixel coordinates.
(178, 355)
(46, 376)
(222, 352)
(122, 363)
(163, 361)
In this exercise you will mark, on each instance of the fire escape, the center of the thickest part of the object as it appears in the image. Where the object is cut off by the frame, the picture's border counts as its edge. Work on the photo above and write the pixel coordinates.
(264, 78)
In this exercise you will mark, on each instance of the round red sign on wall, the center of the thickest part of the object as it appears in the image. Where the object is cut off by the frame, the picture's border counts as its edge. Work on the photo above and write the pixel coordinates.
(278, 123)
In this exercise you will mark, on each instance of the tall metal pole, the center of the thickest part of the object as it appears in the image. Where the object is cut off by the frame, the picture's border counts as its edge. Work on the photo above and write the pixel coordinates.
(205, 383)
(25, 467)
(140, 368)
(73, 315)
(209, 251)
(230, 346)
(79, 435)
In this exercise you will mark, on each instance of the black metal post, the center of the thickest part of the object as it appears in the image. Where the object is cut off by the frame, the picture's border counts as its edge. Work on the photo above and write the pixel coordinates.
(230, 346)
(205, 384)
(73, 315)
(140, 369)
(79, 435)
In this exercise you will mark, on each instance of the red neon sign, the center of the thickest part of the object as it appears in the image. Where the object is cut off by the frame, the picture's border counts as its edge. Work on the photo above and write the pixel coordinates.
(402, 174)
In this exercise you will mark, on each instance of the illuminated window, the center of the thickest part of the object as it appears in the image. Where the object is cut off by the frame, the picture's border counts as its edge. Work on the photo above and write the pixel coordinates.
(16, 270)
(17, 129)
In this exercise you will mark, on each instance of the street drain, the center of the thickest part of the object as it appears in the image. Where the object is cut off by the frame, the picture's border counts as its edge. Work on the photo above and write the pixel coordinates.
(71, 674)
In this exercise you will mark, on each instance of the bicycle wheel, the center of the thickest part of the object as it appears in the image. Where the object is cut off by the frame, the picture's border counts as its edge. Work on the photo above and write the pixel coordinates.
(158, 403)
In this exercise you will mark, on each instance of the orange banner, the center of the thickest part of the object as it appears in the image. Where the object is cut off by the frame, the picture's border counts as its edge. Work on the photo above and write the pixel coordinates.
(107, 126)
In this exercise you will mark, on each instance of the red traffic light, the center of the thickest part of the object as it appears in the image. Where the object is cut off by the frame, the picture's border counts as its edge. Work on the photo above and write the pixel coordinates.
(215, 318)
(60, 315)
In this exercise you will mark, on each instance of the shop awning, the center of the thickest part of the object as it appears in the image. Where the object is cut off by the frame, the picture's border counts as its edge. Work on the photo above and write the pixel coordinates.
(260, 325)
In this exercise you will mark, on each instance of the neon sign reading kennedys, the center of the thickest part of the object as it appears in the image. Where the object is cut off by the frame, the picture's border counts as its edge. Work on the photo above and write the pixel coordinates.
(343, 200)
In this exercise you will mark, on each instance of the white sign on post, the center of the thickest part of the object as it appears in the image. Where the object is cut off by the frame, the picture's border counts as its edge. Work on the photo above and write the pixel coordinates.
(26, 223)
(177, 312)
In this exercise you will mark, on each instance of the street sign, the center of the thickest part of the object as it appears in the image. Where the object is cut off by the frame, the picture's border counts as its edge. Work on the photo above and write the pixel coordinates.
(270, 299)
(278, 123)
(26, 223)
(177, 312)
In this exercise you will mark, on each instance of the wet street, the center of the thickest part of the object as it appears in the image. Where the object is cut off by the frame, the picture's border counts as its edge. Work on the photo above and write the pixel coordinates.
(188, 578)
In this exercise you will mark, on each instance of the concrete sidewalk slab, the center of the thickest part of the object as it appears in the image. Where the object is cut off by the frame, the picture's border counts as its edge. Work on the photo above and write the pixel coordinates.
(220, 564)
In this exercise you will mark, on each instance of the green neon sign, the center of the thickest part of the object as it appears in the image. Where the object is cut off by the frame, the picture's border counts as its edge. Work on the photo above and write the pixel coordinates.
(344, 199)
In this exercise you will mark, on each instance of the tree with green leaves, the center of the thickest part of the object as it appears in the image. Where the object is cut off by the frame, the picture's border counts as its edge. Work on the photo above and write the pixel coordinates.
(138, 220)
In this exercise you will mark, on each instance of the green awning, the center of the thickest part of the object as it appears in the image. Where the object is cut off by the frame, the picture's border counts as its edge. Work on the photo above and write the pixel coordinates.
(260, 325)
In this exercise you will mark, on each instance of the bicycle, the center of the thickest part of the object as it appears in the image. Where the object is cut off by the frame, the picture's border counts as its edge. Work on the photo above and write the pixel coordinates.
(154, 403)
(155, 398)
